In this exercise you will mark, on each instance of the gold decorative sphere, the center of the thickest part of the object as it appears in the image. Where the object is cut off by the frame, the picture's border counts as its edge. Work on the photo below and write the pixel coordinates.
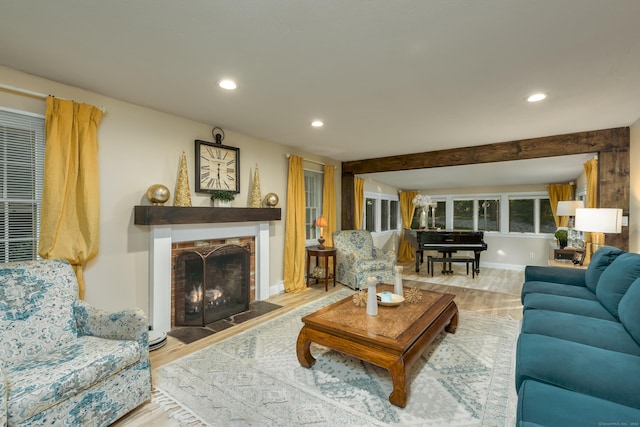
(158, 194)
(271, 200)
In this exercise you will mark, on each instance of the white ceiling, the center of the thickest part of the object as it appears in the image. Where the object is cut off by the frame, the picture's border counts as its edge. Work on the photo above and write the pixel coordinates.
(387, 77)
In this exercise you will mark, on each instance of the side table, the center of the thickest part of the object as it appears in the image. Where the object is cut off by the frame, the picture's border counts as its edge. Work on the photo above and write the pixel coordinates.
(326, 253)
(566, 263)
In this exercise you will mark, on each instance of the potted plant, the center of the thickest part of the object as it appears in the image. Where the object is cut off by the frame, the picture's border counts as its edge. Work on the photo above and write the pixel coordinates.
(222, 198)
(562, 236)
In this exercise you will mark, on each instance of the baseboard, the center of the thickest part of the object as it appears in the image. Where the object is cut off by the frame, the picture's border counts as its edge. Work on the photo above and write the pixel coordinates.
(514, 267)
(276, 289)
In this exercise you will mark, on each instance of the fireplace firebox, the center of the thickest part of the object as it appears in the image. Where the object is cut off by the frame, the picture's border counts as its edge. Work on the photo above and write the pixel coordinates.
(211, 285)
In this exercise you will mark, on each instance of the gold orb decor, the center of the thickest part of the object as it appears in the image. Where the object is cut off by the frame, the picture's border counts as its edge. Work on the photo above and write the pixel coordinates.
(271, 200)
(158, 194)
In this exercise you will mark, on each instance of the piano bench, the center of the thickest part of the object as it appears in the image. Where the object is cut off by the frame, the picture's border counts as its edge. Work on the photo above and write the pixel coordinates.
(444, 261)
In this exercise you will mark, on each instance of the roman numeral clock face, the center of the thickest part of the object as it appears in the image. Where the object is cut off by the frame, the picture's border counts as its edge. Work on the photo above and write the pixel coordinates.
(217, 167)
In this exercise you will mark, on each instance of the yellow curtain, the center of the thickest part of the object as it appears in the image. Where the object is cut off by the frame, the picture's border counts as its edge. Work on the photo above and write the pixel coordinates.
(558, 193)
(329, 203)
(358, 202)
(69, 224)
(294, 242)
(407, 209)
(591, 171)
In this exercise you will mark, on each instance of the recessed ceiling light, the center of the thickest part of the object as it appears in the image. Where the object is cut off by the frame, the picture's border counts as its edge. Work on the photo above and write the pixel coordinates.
(227, 84)
(536, 97)
(317, 123)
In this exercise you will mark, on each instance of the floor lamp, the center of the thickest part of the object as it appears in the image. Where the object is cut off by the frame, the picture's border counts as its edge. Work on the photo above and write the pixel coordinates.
(598, 220)
(568, 208)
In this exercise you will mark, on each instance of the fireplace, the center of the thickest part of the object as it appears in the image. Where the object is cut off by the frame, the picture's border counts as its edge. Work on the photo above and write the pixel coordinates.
(169, 225)
(210, 282)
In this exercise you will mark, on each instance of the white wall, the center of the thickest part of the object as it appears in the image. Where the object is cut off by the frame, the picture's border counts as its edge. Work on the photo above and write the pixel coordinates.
(634, 195)
(139, 147)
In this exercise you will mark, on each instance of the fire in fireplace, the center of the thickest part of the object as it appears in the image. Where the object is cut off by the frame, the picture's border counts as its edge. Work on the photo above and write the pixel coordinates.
(211, 285)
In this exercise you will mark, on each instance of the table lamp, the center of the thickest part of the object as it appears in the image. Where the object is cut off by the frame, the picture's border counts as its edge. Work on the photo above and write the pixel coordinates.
(599, 220)
(322, 223)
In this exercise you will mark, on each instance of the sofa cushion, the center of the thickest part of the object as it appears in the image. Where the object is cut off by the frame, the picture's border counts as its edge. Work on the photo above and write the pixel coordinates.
(37, 384)
(567, 276)
(545, 405)
(573, 291)
(594, 371)
(36, 308)
(564, 304)
(599, 263)
(600, 333)
(628, 310)
(616, 279)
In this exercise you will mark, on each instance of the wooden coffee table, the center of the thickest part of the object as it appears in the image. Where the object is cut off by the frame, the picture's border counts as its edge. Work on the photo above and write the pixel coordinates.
(394, 339)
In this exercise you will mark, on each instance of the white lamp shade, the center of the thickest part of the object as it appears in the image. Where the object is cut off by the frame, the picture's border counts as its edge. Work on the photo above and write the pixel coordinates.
(599, 220)
(568, 207)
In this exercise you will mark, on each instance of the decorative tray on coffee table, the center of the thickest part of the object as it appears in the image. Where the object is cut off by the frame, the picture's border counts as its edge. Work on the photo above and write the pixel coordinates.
(395, 300)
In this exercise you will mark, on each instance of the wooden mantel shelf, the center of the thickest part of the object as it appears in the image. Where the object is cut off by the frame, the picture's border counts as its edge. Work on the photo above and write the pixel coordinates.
(165, 215)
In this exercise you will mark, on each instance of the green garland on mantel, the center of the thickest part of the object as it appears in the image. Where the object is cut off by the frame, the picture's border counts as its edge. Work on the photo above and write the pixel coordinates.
(223, 195)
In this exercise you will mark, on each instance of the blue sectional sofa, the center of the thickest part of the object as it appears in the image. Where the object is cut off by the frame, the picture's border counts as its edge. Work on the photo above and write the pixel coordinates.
(578, 353)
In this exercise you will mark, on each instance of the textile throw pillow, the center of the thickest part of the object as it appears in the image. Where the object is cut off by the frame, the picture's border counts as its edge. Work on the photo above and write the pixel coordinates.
(616, 280)
(628, 310)
(599, 263)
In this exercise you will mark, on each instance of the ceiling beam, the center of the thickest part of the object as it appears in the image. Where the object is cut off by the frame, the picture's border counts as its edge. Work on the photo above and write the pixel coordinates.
(534, 148)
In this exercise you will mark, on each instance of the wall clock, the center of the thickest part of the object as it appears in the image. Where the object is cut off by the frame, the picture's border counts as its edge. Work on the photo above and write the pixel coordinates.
(217, 167)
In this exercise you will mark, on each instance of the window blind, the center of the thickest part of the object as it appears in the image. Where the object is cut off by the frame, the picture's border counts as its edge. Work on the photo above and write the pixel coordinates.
(22, 146)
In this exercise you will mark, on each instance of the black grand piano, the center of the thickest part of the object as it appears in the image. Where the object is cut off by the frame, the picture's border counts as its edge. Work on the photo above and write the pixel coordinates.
(447, 243)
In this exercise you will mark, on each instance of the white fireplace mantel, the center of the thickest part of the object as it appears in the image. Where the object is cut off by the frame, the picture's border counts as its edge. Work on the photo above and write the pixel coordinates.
(161, 237)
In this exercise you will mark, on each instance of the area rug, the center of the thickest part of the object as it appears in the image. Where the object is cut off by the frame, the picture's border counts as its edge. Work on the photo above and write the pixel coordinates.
(254, 379)
(489, 279)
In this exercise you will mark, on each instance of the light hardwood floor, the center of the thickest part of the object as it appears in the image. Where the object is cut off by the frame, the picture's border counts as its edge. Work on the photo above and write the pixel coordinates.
(493, 292)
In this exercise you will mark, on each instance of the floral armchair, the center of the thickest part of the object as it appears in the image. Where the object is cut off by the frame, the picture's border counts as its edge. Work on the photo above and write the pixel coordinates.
(62, 361)
(357, 258)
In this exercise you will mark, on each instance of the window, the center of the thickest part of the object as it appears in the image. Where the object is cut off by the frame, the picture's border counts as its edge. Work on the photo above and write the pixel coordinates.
(21, 175)
(370, 214)
(521, 216)
(384, 215)
(313, 200)
(394, 214)
(440, 213)
(489, 215)
(381, 212)
(525, 215)
(463, 214)
(515, 213)
(547, 221)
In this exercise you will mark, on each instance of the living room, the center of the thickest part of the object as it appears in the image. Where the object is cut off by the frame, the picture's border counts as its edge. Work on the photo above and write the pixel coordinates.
(141, 145)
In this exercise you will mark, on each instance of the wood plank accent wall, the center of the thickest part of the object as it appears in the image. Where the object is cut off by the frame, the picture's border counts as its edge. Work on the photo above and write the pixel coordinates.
(612, 146)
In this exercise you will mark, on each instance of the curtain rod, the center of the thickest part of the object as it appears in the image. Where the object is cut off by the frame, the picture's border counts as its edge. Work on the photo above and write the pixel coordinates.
(310, 161)
(33, 94)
